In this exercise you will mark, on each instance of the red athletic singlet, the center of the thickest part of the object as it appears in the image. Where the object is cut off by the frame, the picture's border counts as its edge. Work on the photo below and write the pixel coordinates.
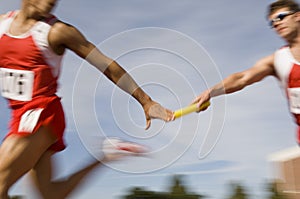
(29, 71)
(288, 71)
(29, 68)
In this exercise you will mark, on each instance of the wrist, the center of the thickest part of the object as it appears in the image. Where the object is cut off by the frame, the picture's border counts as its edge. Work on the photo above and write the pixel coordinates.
(216, 91)
(141, 97)
(210, 93)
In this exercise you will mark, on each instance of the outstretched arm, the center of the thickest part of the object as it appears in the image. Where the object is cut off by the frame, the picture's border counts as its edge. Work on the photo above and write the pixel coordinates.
(63, 36)
(238, 81)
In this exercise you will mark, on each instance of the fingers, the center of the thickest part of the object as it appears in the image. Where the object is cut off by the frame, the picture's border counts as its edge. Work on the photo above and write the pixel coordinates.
(202, 101)
(170, 115)
(156, 111)
(202, 105)
(196, 100)
(148, 124)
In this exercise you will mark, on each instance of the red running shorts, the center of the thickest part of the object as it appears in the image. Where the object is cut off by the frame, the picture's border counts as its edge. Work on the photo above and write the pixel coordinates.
(43, 111)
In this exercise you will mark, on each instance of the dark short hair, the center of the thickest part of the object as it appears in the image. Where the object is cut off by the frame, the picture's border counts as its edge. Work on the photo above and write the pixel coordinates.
(290, 4)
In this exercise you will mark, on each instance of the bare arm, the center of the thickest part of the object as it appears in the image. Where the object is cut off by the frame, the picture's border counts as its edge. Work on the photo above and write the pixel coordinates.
(238, 81)
(63, 36)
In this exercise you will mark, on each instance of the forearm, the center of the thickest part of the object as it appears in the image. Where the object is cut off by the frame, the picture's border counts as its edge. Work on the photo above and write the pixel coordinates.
(114, 72)
(124, 81)
(231, 84)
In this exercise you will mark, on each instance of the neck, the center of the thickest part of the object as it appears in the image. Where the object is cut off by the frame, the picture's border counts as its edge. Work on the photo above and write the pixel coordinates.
(294, 41)
(293, 38)
(28, 13)
(24, 20)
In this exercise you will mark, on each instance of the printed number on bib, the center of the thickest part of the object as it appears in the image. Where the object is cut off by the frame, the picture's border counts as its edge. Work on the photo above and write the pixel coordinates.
(16, 84)
(294, 98)
(29, 120)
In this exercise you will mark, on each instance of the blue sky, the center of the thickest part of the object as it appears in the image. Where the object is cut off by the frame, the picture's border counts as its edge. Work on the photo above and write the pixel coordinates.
(175, 50)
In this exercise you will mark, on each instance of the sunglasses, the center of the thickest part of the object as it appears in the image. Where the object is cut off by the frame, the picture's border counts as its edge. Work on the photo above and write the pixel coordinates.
(280, 17)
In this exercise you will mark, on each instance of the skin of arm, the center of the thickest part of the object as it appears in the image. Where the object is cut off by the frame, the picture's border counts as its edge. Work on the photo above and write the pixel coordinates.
(238, 81)
(63, 36)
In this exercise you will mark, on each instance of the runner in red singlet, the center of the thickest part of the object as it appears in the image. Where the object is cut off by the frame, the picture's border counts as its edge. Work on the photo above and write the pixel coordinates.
(32, 44)
(284, 64)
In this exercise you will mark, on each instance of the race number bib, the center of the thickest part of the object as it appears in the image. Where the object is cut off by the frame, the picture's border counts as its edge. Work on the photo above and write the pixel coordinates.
(16, 84)
(29, 120)
(294, 98)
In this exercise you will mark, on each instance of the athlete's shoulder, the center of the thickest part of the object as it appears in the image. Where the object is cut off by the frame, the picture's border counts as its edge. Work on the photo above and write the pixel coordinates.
(7, 15)
(60, 34)
(266, 62)
(61, 25)
(1, 17)
(63, 29)
(282, 48)
(10, 14)
(283, 51)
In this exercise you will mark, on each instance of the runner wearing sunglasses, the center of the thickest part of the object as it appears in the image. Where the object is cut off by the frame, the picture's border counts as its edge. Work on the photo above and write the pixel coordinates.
(284, 64)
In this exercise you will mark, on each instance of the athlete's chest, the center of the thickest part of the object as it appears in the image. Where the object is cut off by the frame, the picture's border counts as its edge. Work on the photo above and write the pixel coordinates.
(19, 51)
(18, 29)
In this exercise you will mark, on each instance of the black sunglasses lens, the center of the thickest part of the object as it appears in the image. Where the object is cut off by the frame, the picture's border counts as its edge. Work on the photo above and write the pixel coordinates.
(279, 17)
